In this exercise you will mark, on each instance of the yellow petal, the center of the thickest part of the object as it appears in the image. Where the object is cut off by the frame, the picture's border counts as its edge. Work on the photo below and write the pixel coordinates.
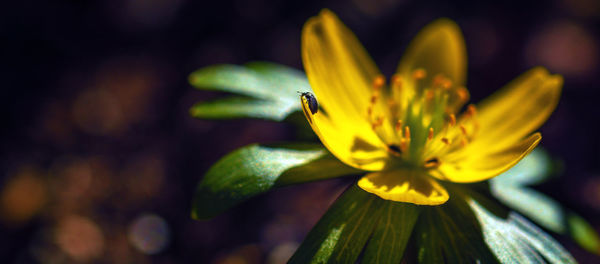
(409, 186)
(478, 164)
(346, 146)
(518, 109)
(439, 49)
(340, 73)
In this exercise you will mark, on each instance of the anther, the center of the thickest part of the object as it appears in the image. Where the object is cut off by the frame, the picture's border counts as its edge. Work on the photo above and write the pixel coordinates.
(378, 122)
(407, 133)
(432, 163)
(452, 120)
(438, 80)
(471, 110)
(446, 84)
(463, 142)
(419, 74)
(399, 125)
(446, 141)
(430, 135)
(378, 82)
(463, 94)
(374, 98)
(397, 80)
(370, 111)
(403, 145)
(429, 95)
(463, 130)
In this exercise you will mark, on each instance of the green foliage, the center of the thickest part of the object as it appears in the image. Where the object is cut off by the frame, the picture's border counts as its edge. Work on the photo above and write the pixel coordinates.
(512, 189)
(392, 233)
(344, 230)
(515, 240)
(450, 233)
(265, 90)
(255, 169)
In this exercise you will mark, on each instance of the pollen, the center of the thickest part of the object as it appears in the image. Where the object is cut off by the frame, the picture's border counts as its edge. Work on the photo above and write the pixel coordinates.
(419, 74)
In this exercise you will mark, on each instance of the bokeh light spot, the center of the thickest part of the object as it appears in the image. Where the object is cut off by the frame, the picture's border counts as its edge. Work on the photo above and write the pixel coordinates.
(80, 238)
(563, 47)
(149, 234)
(22, 196)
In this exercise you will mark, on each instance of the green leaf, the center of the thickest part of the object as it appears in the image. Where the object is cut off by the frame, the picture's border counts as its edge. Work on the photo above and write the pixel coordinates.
(511, 189)
(269, 91)
(241, 107)
(583, 233)
(515, 240)
(255, 169)
(450, 233)
(392, 233)
(343, 231)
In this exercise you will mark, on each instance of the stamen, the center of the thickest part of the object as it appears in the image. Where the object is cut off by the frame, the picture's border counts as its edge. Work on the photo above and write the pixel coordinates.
(463, 130)
(378, 82)
(378, 122)
(374, 98)
(463, 142)
(430, 135)
(429, 95)
(432, 163)
(463, 94)
(399, 126)
(407, 133)
(438, 80)
(397, 80)
(419, 74)
(446, 84)
(446, 141)
(403, 145)
(452, 120)
(471, 110)
(369, 111)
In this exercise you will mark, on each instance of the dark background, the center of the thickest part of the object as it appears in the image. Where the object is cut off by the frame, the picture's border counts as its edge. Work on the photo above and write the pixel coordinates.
(100, 158)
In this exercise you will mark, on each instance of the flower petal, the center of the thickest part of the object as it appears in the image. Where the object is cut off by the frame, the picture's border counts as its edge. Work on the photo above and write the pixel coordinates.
(342, 143)
(341, 75)
(338, 68)
(477, 164)
(518, 109)
(409, 186)
(439, 49)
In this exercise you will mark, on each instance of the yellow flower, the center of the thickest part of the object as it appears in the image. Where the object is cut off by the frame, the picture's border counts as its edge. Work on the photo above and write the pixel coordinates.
(409, 133)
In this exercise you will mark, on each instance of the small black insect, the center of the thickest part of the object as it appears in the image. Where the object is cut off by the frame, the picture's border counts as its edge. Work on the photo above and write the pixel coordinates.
(313, 105)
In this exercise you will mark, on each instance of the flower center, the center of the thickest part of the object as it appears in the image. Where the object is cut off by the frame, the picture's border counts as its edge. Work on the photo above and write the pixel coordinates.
(417, 120)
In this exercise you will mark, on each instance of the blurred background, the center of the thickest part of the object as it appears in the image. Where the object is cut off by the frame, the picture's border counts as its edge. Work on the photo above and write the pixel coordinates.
(100, 157)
